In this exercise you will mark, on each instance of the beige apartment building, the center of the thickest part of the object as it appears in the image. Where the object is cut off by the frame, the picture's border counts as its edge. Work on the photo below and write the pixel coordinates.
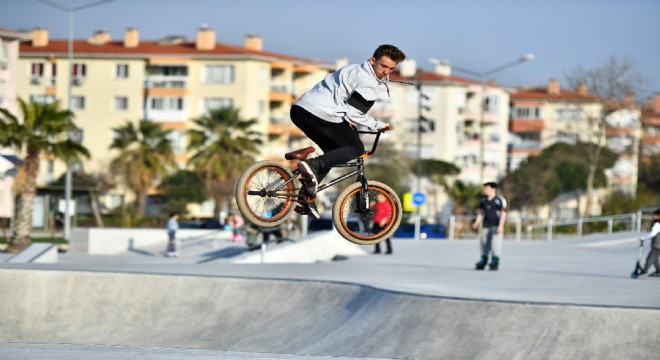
(543, 116)
(169, 81)
(453, 130)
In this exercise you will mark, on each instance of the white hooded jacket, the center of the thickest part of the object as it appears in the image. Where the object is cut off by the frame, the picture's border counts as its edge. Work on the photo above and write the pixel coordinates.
(346, 94)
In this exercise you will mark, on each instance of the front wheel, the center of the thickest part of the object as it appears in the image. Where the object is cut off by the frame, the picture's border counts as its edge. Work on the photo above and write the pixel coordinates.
(265, 193)
(353, 213)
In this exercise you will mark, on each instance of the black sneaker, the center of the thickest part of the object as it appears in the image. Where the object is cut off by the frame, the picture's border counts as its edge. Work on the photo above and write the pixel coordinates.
(494, 263)
(481, 264)
(309, 170)
(308, 209)
(655, 274)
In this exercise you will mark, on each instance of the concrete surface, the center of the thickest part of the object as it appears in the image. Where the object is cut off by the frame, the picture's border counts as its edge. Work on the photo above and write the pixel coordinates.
(569, 299)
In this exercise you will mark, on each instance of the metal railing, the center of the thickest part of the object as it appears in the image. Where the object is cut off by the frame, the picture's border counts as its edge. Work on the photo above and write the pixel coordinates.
(553, 228)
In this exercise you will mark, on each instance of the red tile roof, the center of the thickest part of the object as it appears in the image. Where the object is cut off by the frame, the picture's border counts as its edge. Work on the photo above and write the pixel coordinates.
(541, 93)
(156, 48)
(428, 76)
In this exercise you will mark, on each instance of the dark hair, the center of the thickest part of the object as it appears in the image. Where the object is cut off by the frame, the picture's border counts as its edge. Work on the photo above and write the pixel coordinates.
(173, 213)
(656, 212)
(491, 184)
(391, 52)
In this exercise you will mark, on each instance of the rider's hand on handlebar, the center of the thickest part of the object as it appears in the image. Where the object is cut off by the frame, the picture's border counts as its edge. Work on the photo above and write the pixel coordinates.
(387, 127)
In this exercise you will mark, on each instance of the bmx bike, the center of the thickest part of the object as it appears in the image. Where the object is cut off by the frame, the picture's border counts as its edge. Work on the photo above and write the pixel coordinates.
(267, 193)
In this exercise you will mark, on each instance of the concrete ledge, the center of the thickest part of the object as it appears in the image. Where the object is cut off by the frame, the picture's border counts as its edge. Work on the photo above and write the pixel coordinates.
(36, 253)
(321, 246)
(109, 241)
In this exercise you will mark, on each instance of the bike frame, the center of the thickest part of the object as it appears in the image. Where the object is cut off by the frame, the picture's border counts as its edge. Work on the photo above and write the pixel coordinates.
(359, 164)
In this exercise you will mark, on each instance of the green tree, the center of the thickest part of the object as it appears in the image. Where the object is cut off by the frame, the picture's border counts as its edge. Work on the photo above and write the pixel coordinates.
(181, 188)
(465, 196)
(560, 168)
(44, 129)
(609, 83)
(223, 145)
(95, 184)
(386, 165)
(145, 154)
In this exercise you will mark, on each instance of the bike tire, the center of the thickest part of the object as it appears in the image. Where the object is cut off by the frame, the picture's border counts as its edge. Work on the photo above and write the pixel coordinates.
(356, 227)
(265, 210)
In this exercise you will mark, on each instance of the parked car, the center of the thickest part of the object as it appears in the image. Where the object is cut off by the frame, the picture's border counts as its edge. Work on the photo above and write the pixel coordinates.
(426, 231)
(325, 223)
(204, 223)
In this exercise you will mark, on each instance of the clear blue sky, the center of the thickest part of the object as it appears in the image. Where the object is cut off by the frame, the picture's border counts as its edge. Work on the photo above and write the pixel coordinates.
(474, 34)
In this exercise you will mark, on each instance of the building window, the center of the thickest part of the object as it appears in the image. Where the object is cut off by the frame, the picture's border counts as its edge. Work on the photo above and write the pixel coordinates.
(4, 55)
(568, 114)
(219, 74)
(121, 71)
(77, 103)
(121, 103)
(527, 112)
(178, 140)
(79, 70)
(167, 103)
(492, 105)
(42, 99)
(216, 103)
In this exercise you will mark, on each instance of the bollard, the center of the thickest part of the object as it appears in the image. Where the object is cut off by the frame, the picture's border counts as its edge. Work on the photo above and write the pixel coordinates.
(263, 252)
(518, 227)
(609, 226)
(579, 227)
(452, 227)
(549, 230)
(529, 232)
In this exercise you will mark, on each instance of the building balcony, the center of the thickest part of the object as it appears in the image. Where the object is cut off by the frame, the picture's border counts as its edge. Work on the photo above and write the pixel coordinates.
(526, 125)
(166, 82)
(165, 115)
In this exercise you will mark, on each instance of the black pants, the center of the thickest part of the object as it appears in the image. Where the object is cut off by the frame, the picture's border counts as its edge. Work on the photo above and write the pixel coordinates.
(338, 141)
(376, 228)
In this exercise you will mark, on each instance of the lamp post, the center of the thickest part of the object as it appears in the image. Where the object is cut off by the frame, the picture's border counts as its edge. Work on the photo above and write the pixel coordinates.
(482, 76)
(70, 11)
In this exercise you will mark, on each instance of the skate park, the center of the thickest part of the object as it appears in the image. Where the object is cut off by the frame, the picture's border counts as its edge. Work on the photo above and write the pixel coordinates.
(325, 297)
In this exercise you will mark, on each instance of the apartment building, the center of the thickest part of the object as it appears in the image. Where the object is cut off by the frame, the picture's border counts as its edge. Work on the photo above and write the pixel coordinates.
(543, 116)
(169, 81)
(457, 129)
(651, 128)
(9, 41)
(9, 162)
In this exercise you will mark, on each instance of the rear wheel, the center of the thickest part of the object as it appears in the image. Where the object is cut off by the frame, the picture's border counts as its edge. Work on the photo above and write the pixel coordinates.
(263, 195)
(353, 216)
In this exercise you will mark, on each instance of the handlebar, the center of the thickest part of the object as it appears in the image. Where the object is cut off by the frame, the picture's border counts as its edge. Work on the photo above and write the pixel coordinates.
(371, 132)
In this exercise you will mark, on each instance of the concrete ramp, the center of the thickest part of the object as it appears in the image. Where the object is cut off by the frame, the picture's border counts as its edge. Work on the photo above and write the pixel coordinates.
(37, 253)
(307, 318)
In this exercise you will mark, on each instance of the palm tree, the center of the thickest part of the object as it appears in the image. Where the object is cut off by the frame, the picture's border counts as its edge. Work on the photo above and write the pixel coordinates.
(223, 145)
(45, 129)
(145, 154)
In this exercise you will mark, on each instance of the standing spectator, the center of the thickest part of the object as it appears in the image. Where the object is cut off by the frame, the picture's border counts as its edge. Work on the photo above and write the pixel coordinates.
(654, 253)
(172, 227)
(235, 222)
(382, 216)
(492, 210)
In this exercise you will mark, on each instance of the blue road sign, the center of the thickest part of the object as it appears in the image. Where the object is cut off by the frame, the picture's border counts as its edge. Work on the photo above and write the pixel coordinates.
(418, 199)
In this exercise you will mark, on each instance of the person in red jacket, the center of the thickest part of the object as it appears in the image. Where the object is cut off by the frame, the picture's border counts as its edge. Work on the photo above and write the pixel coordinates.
(382, 216)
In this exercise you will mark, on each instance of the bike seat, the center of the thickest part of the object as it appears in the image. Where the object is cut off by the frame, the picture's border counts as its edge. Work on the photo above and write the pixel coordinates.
(301, 154)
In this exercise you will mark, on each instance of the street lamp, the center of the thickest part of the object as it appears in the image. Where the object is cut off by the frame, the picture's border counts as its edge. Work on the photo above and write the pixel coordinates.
(482, 76)
(67, 187)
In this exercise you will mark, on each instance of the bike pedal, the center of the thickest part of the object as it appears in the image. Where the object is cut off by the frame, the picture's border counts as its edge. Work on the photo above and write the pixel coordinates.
(309, 199)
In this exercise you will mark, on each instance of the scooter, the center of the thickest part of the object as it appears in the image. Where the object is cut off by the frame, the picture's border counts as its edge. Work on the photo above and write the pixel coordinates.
(638, 266)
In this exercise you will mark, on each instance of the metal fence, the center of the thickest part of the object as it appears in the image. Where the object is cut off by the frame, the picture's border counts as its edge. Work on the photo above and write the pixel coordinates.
(460, 226)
